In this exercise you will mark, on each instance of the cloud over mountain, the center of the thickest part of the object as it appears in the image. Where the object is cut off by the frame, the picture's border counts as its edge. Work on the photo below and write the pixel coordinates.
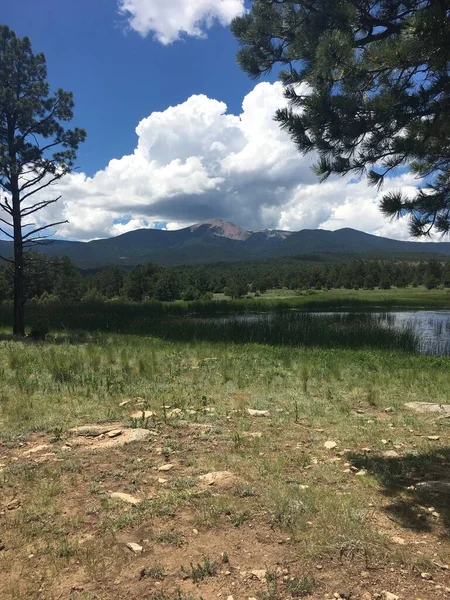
(195, 161)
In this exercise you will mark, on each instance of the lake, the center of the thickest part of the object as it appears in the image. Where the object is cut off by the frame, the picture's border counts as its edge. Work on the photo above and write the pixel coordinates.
(432, 327)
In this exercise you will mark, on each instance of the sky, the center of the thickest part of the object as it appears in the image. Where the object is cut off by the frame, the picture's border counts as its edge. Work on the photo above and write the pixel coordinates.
(176, 133)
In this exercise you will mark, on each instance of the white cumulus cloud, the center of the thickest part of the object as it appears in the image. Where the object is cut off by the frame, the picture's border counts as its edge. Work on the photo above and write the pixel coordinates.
(168, 20)
(196, 161)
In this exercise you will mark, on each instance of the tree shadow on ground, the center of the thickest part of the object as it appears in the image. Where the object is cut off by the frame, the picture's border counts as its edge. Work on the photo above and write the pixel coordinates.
(404, 480)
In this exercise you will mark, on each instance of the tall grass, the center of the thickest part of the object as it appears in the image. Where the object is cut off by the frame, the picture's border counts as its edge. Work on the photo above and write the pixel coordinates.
(193, 321)
(351, 330)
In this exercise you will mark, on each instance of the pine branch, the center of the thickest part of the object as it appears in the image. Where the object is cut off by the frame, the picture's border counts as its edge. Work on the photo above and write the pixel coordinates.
(42, 187)
(27, 236)
(29, 210)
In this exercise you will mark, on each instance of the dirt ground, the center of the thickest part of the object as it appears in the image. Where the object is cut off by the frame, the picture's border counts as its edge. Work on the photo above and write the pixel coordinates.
(63, 535)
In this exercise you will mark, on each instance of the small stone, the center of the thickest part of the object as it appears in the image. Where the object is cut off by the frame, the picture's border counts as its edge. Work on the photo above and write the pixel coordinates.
(388, 409)
(390, 454)
(135, 548)
(427, 576)
(114, 433)
(175, 412)
(195, 531)
(433, 438)
(230, 598)
(259, 574)
(366, 596)
(125, 498)
(389, 596)
(13, 504)
(222, 479)
(384, 442)
(162, 480)
(398, 540)
(361, 473)
(258, 413)
(125, 402)
(167, 467)
(330, 445)
(142, 414)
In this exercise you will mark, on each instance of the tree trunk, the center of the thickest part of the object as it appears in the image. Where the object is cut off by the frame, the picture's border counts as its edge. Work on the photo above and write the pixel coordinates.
(19, 288)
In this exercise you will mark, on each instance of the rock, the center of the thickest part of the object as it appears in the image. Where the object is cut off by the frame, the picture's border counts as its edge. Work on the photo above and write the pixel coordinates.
(361, 473)
(162, 480)
(390, 454)
(195, 531)
(230, 598)
(13, 504)
(142, 414)
(135, 435)
(125, 498)
(434, 486)
(389, 596)
(221, 479)
(94, 429)
(398, 540)
(167, 467)
(427, 576)
(384, 442)
(36, 449)
(114, 433)
(258, 413)
(433, 438)
(135, 548)
(125, 402)
(428, 407)
(330, 445)
(175, 412)
(252, 434)
(366, 596)
(259, 574)
(388, 409)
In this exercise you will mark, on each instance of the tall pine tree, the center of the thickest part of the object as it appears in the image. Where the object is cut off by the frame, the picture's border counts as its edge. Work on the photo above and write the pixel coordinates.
(368, 87)
(35, 151)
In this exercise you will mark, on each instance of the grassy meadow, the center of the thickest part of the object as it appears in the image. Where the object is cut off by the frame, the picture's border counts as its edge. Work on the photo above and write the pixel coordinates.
(321, 494)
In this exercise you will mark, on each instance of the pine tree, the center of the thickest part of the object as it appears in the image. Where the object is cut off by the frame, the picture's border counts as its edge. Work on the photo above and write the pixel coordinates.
(368, 85)
(35, 150)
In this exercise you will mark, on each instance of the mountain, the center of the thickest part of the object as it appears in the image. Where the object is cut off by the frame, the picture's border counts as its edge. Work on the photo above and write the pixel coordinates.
(216, 241)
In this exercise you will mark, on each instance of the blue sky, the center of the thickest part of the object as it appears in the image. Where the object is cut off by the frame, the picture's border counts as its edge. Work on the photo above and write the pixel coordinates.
(176, 132)
(117, 76)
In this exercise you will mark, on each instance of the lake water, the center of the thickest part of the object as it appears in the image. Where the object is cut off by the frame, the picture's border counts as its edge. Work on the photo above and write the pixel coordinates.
(431, 327)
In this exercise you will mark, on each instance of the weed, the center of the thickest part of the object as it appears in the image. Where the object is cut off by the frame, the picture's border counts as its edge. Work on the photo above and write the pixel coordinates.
(243, 490)
(173, 538)
(156, 571)
(302, 586)
(202, 570)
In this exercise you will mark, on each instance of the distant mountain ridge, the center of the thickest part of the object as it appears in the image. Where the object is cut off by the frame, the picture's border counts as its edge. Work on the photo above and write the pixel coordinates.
(216, 241)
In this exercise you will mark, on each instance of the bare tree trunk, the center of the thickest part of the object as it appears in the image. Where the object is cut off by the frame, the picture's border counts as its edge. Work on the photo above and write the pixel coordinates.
(19, 288)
